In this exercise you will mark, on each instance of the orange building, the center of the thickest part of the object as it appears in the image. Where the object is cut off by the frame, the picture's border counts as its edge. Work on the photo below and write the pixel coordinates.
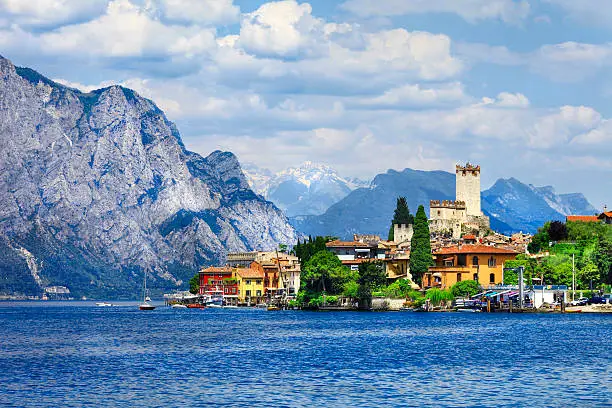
(482, 263)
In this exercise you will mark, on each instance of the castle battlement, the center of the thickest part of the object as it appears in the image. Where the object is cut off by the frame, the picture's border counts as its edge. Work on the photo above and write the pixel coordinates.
(454, 204)
(467, 168)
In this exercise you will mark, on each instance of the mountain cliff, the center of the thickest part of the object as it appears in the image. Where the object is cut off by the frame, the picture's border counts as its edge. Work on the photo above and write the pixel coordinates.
(97, 188)
(511, 205)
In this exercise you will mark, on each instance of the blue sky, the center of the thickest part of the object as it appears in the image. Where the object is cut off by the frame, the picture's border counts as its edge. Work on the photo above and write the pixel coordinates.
(518, 86)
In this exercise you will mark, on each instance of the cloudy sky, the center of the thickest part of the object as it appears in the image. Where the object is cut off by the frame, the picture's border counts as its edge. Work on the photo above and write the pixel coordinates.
(522, 87)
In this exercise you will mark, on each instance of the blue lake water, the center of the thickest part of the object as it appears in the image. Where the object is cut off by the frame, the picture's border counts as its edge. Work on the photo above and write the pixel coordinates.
(77, 354)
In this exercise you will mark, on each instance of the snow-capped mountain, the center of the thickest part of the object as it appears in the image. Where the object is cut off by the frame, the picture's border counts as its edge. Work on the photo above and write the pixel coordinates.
(309, 189)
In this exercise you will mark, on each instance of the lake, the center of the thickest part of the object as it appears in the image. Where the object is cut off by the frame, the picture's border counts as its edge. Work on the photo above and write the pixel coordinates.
(77, 354)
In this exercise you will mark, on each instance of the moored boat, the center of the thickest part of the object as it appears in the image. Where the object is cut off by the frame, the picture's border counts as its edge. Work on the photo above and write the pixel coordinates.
(103, 304)
(178, 306)
(145, 305)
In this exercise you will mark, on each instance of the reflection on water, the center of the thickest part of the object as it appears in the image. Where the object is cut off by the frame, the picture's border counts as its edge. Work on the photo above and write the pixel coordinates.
(76, 354)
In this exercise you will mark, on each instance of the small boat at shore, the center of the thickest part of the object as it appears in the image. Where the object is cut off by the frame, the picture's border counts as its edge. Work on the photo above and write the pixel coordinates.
(178, 306)
(145, 305)
(465, 310)
(195, 306)
(103, 304)
(273, 308)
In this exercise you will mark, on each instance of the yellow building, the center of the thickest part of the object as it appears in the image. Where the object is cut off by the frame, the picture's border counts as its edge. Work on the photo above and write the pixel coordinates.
(482, 263)
(250, 284)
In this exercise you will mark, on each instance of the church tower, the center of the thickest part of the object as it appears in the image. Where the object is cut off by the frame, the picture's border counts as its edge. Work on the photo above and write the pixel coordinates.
(468, 187)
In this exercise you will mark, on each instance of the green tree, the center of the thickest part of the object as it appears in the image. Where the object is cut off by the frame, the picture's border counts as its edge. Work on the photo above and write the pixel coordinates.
(370, 276)
(400, 216)
(420, 247)
(305, 250)
(589, 273)
(465, 288)
(437, 296)
(557, 231)
(325, 272)
(194, 284)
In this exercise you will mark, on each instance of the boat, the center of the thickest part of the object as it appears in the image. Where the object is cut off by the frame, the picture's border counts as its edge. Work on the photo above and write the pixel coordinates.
(272, 308)
(178, 306)
(195, 306)
(145, 305)
(466, 310)
(103, 304)
(262, 306)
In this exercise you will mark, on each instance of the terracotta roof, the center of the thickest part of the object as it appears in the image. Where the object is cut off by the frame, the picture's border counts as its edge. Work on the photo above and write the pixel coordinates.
(469, 236)
(582, 218)
(358, 261)
(217, 269)
(474, 249)
(347, 244)
(607, 214)
(248, 273)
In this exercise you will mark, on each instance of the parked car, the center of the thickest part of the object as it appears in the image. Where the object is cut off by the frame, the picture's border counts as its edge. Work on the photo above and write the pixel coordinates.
(597, 300)
(608, 297)
(579, 302)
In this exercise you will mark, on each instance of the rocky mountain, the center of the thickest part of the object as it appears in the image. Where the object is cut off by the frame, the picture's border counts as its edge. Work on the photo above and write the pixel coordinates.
(525, 207)
(97, 188)
(511, 205)
(309, 189)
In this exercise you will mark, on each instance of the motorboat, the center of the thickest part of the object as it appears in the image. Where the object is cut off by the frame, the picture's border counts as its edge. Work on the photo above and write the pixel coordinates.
(103, 304)
(467, 310)
(178, 306)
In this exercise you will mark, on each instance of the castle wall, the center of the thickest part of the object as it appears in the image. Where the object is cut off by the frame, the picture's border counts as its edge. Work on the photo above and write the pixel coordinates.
(402, 233)
(468, 188)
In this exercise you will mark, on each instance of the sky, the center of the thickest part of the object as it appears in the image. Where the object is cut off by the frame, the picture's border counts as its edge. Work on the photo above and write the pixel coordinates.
(521, 87)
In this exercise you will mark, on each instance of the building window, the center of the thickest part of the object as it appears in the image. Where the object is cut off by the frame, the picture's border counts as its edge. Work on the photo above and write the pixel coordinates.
(247, 292)
(259, 293)
(492, 278)
(475, 261)
(492, 262)
(258, 281)
(476, 277)
(459, 277)
(248, 282)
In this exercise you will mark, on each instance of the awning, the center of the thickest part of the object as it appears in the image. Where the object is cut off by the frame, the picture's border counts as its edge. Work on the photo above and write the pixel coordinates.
(437, 275)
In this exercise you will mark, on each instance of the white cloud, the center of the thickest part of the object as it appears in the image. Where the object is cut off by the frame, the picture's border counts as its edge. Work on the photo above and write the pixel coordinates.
(48, 12)
(509, 11)
(126, 30)
(559, 128)
(199, 11)
(416, 95)
(587, 11)
(283, 28)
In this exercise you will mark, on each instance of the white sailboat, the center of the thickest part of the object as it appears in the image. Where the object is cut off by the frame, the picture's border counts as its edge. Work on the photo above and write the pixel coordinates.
(145, 305)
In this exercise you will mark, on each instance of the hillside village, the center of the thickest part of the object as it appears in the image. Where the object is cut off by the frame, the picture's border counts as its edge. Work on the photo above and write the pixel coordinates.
(464, 252)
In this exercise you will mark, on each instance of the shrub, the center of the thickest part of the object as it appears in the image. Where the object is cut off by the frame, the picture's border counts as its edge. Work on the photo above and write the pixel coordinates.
(465, 288)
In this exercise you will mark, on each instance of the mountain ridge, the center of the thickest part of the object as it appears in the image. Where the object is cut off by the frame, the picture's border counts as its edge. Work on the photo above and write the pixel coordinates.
(90, 182)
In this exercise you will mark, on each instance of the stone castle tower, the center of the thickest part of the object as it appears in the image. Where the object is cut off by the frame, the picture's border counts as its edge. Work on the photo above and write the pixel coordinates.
(464, 214)
(467, 180)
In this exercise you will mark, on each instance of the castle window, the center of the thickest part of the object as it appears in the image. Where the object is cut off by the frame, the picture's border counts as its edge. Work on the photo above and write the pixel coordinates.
(475, 261)
(492, 262)
(492, 278)
(459, 277)
(439, 212)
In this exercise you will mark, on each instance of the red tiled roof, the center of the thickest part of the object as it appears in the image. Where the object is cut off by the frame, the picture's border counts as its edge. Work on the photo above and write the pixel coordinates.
(248, 273)
(357, 261)
(474, 249)
(347, 244)
(217, 269)
(469, 236)
(581, 218)
(605, 214)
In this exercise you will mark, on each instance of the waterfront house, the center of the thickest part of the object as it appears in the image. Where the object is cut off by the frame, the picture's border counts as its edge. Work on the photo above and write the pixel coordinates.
(219, 282)
(355, 251)
(455, 263)
(250, 284)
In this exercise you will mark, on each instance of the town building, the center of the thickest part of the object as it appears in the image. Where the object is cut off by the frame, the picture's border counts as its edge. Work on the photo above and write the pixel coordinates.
(219, 283)
(352, 253)
(464, 214)
(581, 218)
(605, 217)
(250, 284)
(456, 263)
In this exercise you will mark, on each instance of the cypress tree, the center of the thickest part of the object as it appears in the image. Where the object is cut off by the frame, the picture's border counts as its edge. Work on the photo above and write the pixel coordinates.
(400, 216)
(420, 247)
